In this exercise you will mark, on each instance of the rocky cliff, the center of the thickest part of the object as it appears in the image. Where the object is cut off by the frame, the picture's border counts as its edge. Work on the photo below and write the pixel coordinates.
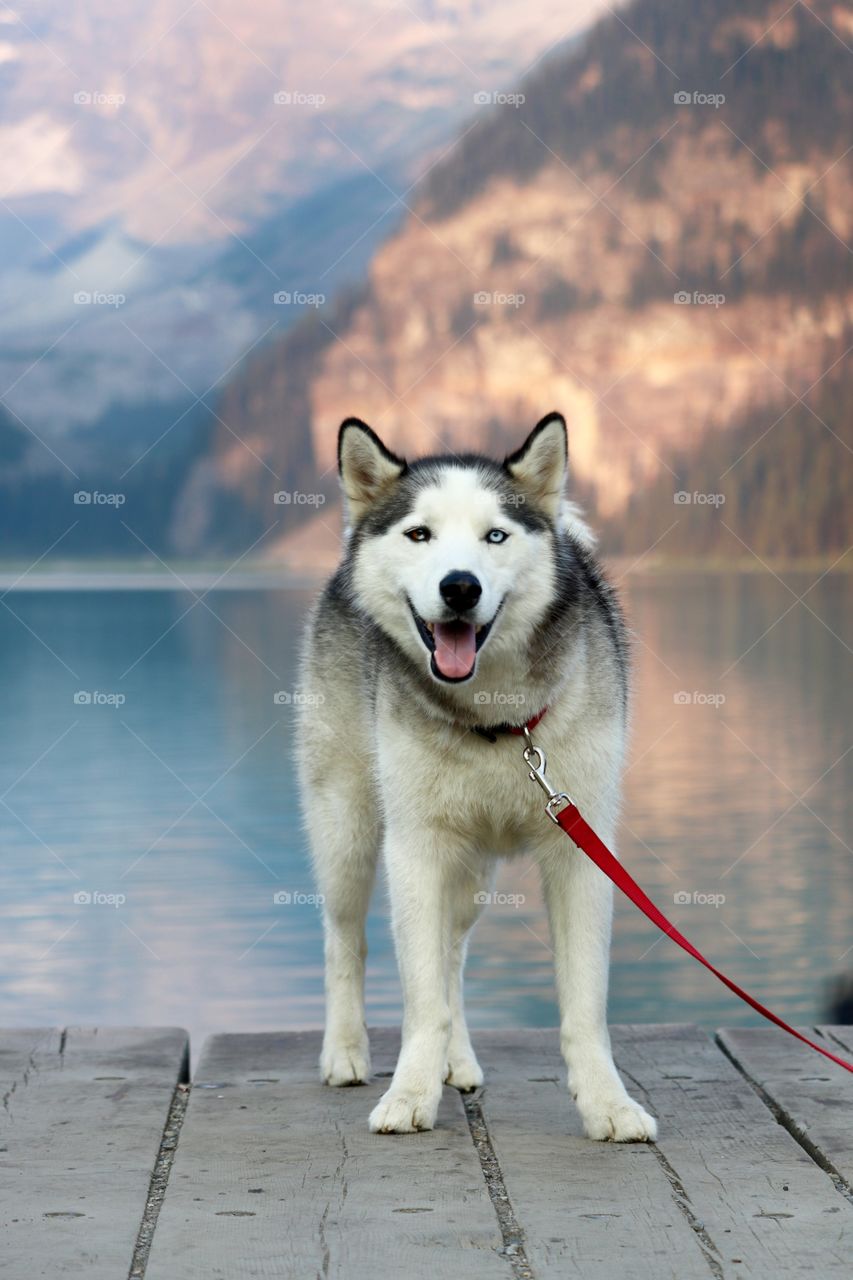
(650, 234)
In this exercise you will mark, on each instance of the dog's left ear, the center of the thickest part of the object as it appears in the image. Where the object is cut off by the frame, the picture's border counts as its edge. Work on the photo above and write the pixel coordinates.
(539, 467)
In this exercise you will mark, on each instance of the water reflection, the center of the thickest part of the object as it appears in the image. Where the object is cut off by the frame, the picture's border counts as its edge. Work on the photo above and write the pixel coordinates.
(181, 800)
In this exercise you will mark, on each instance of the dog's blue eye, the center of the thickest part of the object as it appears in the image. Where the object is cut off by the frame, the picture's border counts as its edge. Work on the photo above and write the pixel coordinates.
(420, 534)
(497, 535)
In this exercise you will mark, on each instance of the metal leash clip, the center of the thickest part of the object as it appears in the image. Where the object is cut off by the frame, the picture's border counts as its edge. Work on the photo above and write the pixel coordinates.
(537, 774)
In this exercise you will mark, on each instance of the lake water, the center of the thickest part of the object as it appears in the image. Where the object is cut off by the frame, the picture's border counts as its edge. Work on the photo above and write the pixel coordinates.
(144, 843)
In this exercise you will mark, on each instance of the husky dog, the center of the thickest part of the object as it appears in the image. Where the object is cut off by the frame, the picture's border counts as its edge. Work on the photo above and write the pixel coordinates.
(467, 587)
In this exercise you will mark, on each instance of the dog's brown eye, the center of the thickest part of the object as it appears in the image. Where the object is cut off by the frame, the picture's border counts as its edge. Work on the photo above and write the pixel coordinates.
(420, 534)
(497, 535)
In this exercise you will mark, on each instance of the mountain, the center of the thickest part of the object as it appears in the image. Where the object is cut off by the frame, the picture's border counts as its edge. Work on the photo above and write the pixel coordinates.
(166, 170)
(650, 233)
(774, 486)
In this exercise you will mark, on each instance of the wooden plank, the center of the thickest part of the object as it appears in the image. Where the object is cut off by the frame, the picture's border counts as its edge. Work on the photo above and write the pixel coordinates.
(588, 1209)
(82, 1121)
(767, 1207)
(843, 1037)
(814, 1097)
(840, 1041)
(277, 1175)
(16, 1048)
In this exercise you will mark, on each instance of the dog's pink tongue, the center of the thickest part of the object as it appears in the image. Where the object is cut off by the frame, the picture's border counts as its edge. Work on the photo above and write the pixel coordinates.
(455, 648)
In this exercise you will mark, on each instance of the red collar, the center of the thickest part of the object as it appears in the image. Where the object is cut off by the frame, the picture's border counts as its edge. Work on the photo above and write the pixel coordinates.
(491, 732)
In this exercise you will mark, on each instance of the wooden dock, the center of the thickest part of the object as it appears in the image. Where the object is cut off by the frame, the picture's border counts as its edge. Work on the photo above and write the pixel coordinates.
(114, 1166)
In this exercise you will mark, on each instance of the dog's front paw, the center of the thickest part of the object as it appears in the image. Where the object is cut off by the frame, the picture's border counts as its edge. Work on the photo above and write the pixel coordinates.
(403, 1110)
(616, 1118)
(343, 1063)
(464, 1073)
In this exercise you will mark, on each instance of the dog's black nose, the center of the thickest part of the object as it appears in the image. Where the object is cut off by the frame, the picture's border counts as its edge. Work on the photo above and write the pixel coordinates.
(460, 590)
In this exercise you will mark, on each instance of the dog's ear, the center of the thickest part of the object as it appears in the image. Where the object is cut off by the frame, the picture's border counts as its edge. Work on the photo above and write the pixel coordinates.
(367, 469)
(539, 467)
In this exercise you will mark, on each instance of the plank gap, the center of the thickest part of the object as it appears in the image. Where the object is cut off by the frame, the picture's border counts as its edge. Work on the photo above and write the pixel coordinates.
(160, 1173)
(682, 1201)
(512, 1232)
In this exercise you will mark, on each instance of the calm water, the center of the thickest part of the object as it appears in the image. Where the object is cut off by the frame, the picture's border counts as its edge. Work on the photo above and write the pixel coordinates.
(179, 805)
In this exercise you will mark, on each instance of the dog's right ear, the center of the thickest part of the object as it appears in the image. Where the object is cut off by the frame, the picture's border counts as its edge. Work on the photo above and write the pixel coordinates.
(367, 469)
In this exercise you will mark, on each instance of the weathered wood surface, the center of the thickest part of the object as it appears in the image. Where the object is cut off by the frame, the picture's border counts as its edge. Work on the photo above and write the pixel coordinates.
(767, 1208)
(724, 1192)
(813, 1096)
(81, 1126)
(276, 1175)
(588, 1209)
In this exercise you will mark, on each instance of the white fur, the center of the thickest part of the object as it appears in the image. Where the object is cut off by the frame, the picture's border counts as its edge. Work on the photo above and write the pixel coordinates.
(443, 805)
(571, 518)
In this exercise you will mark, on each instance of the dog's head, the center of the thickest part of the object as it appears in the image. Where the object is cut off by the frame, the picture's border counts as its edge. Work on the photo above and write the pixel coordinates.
(450, 554)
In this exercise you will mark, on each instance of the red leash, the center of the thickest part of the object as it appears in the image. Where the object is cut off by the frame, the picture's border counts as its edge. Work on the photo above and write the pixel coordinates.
(579, 830)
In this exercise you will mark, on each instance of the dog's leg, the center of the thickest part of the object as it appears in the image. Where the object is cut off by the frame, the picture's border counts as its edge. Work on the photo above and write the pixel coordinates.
(463, 1069)
(420, 882)
(580, 908)
(345, 839)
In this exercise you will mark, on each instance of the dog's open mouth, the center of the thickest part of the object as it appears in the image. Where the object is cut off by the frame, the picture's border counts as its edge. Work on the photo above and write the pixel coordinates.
(453, 645)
